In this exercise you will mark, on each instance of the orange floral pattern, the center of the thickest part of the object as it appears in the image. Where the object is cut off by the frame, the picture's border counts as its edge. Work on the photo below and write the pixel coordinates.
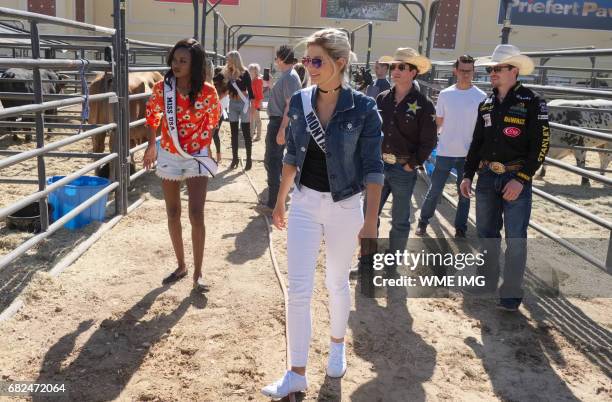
(195, 124)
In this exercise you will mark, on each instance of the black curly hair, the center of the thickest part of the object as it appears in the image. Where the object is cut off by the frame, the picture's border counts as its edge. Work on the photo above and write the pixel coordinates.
(198, 61)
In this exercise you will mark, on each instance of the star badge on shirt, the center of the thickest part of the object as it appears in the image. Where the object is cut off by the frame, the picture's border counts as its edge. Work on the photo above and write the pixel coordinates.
(413, 107)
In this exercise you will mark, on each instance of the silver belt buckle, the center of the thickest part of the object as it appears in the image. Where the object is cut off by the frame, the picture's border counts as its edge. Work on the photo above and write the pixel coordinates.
(389, 158)
(497, 167)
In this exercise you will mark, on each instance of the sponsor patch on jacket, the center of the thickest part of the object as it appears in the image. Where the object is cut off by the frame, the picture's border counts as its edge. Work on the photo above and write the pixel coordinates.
(517, 109)
(512, 132)
(542, 117)
(523, 176)
(543, 107)
(514, 120)
(487, 119)
(522, 97)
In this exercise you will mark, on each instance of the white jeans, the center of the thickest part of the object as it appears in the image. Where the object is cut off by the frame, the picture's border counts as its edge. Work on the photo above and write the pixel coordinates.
(312, 216)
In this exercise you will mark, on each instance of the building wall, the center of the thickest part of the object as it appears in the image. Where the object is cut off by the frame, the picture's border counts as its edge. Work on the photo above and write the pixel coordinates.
(477, 32)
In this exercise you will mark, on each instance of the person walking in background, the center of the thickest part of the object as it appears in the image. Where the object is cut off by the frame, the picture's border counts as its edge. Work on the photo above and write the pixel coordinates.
(287, 84)
(222, 91)
(241, 94)
(456, 113)
(301, 70)
(382, 82)
(333, 154)
(257, 85)
(187, 108)
(409, 128)
(509, 144)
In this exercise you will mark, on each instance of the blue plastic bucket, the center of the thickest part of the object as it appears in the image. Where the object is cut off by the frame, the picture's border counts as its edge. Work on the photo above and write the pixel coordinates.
(68, 197)
(430, 163)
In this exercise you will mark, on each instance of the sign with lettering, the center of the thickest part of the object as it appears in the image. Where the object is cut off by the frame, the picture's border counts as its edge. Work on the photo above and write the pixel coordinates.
(560, 13)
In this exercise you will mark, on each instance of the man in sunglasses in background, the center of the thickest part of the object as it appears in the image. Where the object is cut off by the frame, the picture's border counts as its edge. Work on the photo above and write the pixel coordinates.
(382, 83)
(409, 128)
(456, 112)
(509, 144)
(285, 86)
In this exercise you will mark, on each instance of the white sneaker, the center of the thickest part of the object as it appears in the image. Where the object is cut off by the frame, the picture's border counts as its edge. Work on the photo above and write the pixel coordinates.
(291, 382)
(336, 365)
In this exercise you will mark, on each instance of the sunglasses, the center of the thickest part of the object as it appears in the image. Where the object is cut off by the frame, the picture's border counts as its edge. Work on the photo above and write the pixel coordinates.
(497, 69)
(316, 62)
(402, 66)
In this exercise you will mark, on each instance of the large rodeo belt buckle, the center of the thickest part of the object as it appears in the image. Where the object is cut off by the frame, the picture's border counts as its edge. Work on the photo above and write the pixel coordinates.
(389, 158)
(497, 167)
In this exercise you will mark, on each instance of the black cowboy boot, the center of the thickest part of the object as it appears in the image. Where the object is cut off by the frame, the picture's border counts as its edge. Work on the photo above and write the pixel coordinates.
(248, 144)
(234, 131)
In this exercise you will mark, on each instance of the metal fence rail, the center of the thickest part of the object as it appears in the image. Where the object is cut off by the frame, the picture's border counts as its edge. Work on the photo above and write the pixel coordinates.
(104, 35)
(105, 50)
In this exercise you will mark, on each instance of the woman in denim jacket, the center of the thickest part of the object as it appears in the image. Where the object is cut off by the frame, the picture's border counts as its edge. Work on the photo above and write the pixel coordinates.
(329, 178)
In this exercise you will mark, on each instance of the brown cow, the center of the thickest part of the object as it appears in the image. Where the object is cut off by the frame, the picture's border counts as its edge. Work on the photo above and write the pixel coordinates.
(102, 112)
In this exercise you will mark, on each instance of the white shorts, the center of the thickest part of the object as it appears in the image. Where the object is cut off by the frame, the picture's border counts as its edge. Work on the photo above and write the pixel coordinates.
(174, 167)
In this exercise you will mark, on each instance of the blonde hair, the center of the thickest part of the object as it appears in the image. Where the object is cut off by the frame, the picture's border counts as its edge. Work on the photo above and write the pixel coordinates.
(256, 67)
(337, 46)
(234, 67)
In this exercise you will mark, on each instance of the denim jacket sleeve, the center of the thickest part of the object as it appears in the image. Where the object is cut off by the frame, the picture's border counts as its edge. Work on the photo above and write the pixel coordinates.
(370, 145)
(290, 156)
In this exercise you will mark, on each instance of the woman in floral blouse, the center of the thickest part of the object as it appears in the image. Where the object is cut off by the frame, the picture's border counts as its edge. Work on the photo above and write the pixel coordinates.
(197, 113)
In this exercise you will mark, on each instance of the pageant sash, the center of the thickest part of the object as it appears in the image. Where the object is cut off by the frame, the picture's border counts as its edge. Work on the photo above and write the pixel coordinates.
(245, 108)
(313, 125)
(170, 102)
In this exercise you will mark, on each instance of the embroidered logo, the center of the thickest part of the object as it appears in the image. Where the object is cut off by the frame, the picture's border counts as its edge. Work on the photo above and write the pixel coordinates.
(512, 132)
(413, 107)
(487, 119)
(514, 120)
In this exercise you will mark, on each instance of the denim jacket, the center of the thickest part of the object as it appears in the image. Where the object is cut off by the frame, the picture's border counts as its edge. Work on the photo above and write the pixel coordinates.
(353, 140)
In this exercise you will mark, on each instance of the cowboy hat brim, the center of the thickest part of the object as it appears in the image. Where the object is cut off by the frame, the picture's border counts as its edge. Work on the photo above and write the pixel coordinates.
(422, 63)
(522, 62)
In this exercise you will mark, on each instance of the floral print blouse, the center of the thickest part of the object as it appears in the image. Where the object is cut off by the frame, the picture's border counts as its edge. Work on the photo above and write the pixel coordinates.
(195, 124)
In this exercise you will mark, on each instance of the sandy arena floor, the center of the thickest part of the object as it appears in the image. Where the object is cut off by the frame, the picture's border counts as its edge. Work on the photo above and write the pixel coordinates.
(108, 330)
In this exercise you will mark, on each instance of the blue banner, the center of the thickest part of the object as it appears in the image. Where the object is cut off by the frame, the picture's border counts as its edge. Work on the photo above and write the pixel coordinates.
(560, 13)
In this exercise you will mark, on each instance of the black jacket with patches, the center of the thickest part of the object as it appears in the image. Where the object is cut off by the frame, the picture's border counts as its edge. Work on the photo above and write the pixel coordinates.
(409, 127)
(515, 130)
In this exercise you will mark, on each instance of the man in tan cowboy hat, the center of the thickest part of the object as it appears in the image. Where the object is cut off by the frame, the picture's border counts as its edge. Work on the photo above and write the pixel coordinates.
(409, 127)
(509, 144)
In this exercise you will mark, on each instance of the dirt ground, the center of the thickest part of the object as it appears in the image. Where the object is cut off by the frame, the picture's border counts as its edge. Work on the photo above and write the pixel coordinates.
(108, 329)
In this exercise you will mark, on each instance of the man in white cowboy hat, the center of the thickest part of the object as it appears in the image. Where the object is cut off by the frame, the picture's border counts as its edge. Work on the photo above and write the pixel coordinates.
(509, 144)
(409, 127)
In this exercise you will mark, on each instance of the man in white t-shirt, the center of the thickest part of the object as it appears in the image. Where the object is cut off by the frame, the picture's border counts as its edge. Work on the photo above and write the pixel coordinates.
(456, 113)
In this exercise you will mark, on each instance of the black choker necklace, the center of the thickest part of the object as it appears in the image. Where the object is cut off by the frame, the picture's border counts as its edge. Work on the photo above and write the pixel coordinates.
(331, 90)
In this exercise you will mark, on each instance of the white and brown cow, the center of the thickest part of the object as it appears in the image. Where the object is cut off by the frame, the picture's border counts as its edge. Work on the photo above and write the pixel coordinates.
(564, 112)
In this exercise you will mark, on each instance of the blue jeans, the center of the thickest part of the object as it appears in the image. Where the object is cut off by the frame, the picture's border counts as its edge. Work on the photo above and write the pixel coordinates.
(273, 159)
(400, 184)
(493, 212)
(443, 167)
